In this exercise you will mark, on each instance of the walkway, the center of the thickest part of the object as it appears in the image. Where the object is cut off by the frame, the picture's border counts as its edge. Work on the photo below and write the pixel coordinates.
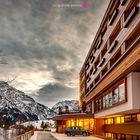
(64, 137)
(41, 135)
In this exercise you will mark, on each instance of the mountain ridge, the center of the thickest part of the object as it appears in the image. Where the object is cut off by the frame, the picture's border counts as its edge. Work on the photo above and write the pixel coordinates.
(15, 104)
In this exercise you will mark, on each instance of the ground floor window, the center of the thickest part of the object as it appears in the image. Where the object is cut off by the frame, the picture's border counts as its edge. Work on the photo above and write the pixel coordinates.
(122, 119)
(121, 136)
(87, 124)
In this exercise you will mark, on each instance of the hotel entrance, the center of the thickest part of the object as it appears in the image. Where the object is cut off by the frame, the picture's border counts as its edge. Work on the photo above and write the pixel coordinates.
(83, 120)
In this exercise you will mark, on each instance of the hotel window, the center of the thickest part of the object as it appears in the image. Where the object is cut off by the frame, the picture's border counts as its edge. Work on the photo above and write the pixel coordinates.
(96, 105)
(115, 32)
(92, 58)
(119, 120)
(91, 71)
(138, 117)
(91, 85)
(100, 104)
(99, 42)
(113, 16)
(112, 96)
(97, 79)
(87, 66)
(88, 78)
(104, 50)
(116, 95)
(107, 100)
(87, 90)
(134, 117)
(127, 118)
(129, 15)
(95, 70)
(123, 2)
(116, 57)
(110, 99)
(104, 70)
(97, 61)
(104, 101)
(104, 29)
(122, 92)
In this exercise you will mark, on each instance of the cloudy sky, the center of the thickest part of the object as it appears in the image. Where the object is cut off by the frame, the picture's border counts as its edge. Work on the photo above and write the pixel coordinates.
(45, 42)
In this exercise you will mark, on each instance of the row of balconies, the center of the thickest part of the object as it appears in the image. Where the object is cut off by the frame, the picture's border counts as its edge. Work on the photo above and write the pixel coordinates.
(95, 62)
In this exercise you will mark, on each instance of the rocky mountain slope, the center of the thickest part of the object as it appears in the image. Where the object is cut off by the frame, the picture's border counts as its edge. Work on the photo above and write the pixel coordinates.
(15, 105)
(72, 105)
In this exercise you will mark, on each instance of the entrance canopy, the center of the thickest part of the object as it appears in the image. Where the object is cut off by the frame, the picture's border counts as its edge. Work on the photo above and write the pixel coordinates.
(72, 116)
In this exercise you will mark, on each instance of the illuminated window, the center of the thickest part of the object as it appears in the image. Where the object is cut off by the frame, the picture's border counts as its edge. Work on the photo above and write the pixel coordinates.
(68, 123)
(86, 124)
(118, 120)
(109, 135)
(81, 122)
(138, 117)
(72, 122)
(91, 124)
(105, 121)
(122, 119)
(77, 122)
(109, 121)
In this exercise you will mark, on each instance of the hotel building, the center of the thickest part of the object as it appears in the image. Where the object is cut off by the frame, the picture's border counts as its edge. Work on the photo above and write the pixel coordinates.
(110, 75)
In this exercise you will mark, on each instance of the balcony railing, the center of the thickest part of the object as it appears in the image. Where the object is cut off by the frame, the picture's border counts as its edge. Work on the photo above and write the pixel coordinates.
(25, 136)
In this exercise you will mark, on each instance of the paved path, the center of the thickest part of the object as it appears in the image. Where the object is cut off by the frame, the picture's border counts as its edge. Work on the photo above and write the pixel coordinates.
(42, 135)
(64, 137)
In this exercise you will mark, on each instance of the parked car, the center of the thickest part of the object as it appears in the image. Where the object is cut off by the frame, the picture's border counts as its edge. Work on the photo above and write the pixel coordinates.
(76, 130)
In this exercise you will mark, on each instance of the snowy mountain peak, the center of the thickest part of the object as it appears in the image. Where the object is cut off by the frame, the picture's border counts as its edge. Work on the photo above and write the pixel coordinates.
(71, 104)
(14, 103)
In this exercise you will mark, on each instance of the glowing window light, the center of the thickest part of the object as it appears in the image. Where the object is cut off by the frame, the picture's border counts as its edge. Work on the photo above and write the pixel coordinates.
(77, 122)
(138, 117)
(110, 135)
(106, 121)
(122, 119)
(72, 123)
(110, 121)
(81, 122)
(118, 120)
(106, 134)
(91, 123)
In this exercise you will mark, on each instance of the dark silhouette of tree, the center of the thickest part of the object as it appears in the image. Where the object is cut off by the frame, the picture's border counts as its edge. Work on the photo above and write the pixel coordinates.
(83, 106)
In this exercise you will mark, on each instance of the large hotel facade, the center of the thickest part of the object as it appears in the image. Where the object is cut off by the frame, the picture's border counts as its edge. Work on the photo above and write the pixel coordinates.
(110, 76)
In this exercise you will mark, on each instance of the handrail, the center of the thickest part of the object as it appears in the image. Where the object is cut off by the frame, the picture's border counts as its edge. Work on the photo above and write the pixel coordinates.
(25, 136)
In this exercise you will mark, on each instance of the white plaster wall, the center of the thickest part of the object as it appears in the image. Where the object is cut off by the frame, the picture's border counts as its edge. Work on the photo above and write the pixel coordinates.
(133, 98)
(136, 90)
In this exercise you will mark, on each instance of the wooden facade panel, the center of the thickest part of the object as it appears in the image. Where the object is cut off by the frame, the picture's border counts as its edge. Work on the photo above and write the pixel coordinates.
(130, 129)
